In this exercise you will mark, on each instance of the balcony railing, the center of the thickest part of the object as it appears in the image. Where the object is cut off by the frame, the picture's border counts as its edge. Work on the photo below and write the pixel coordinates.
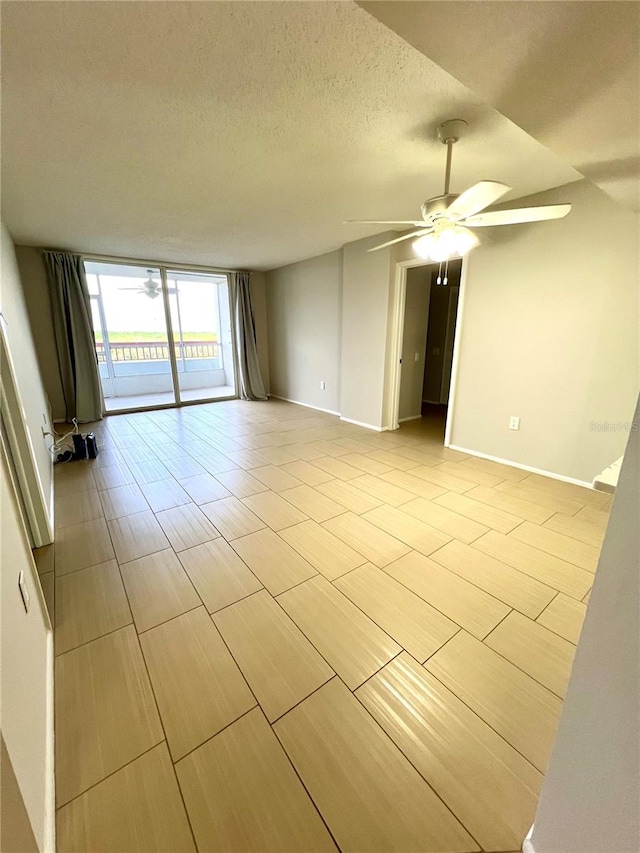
(146, 351)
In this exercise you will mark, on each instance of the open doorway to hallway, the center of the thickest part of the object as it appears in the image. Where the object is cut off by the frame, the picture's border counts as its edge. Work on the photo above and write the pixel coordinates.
(428, 335)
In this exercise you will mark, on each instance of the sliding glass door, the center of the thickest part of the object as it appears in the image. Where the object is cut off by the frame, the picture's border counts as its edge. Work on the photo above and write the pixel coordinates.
(137, 311)
(201, 325)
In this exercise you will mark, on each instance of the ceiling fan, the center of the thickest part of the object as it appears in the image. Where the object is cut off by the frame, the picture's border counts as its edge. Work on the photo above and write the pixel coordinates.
(444, 230)
(149, 288)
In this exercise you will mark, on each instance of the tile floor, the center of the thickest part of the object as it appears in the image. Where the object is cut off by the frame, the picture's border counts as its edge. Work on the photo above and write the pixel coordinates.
(276, 631)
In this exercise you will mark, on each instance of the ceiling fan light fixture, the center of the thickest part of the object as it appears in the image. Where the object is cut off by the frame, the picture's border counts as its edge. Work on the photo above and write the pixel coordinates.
(448, 242)
(442, 233)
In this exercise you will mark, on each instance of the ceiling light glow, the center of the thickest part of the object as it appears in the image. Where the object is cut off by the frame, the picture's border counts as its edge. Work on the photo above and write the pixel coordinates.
(448, 242)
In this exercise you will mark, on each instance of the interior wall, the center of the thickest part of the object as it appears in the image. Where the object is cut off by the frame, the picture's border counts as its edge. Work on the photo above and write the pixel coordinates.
(304, 312)
(414, 341)
(15, 828)
(37, 299)
(20, 340)
(259, 304)
(589, 800)
(366, 295)
(25, 678)
(550, 334)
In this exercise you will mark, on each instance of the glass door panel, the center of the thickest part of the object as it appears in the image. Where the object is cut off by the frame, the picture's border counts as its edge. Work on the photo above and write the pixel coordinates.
(130, 328)
(201, 324)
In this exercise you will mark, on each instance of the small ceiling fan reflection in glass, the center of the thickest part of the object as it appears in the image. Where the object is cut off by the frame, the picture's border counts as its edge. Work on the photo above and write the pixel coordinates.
(151, 287)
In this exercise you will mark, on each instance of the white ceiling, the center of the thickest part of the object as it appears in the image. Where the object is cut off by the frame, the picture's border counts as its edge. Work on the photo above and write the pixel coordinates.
(566, 72)
(238, 134)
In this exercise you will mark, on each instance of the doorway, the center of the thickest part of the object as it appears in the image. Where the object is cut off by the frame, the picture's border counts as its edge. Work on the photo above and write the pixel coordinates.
(426, 318)
(162, 335)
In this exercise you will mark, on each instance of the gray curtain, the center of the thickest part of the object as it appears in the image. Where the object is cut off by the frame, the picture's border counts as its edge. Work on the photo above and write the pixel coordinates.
(73, 329)
(249, 378)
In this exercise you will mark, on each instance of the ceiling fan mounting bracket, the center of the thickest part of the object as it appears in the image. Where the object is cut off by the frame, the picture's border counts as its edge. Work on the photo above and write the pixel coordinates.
(452, 130)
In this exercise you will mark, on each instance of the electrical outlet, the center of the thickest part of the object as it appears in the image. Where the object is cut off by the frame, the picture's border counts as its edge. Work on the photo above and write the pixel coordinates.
(323, 385)
(514, 422)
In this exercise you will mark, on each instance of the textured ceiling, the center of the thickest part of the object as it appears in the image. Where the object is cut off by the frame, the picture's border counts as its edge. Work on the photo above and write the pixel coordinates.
(235, 134)
(567, 72)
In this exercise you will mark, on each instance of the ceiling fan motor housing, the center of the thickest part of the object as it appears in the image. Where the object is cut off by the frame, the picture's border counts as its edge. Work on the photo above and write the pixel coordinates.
(436, 208)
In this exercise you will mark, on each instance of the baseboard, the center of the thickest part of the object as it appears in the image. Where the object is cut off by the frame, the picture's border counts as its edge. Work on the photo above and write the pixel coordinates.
(527, 846)
(50, 785)
(412, 418)
(52, 502)
(306, 405)
(361, 424)
(551, 474)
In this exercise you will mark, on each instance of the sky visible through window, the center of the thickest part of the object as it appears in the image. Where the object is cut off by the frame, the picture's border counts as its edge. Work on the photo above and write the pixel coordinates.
(132, 315)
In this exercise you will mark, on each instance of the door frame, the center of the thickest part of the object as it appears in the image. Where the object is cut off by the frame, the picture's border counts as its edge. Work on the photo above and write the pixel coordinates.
(21, 455)
(162, 267)
(396, 335)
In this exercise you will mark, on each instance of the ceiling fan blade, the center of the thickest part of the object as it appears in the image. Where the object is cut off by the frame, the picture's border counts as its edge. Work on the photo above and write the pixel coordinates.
(383, 222)
(417, 233)
(518, 214)
(476, 198)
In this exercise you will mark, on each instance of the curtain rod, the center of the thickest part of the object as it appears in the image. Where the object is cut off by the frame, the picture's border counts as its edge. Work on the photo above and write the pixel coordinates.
(140, 261)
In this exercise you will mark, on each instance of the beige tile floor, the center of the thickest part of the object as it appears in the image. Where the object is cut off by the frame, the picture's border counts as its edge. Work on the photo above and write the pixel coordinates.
(279, 632)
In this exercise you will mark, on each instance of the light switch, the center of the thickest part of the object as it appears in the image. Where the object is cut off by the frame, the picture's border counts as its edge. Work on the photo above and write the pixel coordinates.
(514, 422)
(416, 357)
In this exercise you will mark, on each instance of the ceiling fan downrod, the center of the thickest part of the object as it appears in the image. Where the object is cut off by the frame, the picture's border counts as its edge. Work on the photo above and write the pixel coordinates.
(449, 132)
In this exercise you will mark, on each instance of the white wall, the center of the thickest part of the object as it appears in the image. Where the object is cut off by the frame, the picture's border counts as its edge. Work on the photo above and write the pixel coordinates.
(26, 686)
(304, 312)
(589, 801)
(15, 827)
(414, 340)
(366, 294)
(38, 301)
(23, 355)
(550, 333)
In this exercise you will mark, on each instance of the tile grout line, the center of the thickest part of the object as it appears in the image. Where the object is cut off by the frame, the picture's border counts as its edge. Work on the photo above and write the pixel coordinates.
(109, 775)
(215, 734)
(486, 722)
(441, 612)
(160, 720)
(295, 769)
(377, 624)
(408, 760)
(518, 667)
(536, 620)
